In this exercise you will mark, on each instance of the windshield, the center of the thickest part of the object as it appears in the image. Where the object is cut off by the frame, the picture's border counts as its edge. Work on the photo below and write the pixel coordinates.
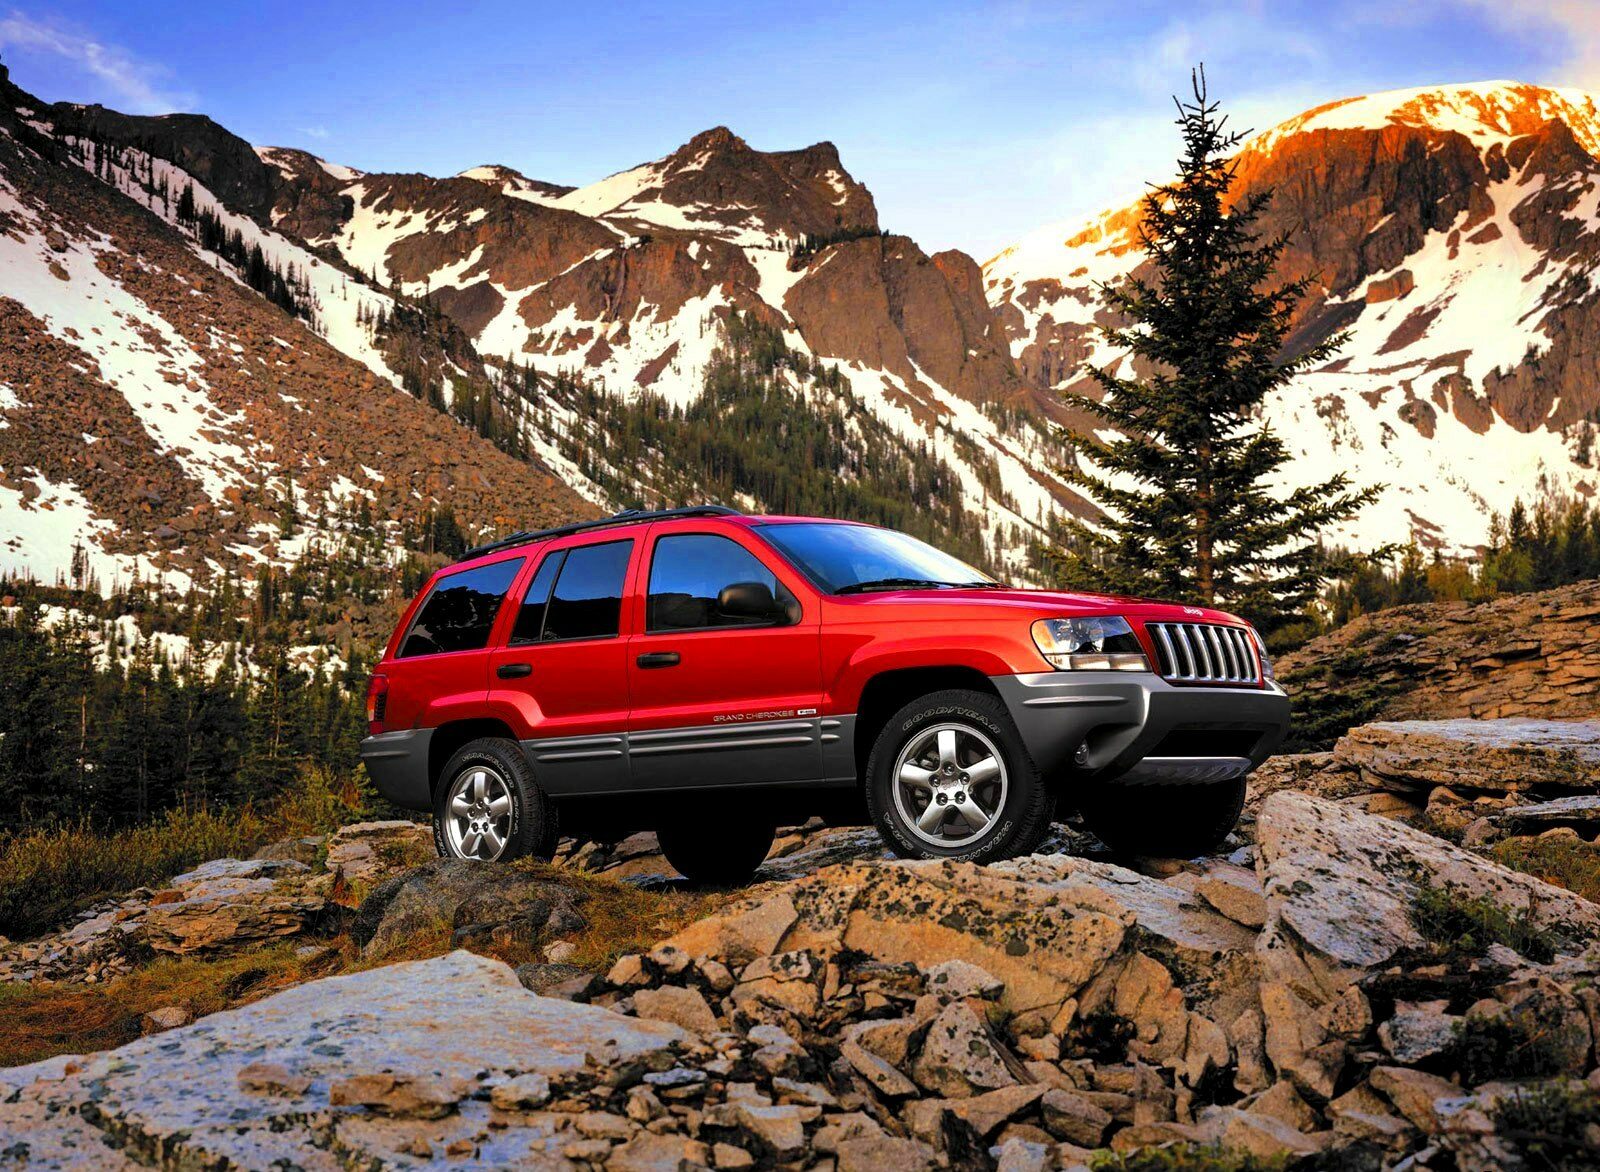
(845, 559)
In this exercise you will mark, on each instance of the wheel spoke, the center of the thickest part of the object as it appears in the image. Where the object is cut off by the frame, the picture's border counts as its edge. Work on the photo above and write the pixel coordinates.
(469, 843)
(492, 837)
(914, 776)
(932, 818)
(972, 815)
(983, 771)
(500, 806)
(480, 786)
(460, 807)
(947, 747)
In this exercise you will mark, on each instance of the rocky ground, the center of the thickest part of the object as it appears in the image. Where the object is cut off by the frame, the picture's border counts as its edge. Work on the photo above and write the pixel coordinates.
(1355, 985)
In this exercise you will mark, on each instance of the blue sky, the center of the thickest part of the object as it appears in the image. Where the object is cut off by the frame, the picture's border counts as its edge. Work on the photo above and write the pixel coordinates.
(971, 123)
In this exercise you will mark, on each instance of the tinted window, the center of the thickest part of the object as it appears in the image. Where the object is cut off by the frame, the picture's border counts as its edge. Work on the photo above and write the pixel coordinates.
(460, 610)
(689, 574)
(587, 603)
(530, 617)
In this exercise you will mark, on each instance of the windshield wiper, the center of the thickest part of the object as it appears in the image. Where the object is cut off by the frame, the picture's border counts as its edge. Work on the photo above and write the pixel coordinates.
(984, 585)
(892, 584)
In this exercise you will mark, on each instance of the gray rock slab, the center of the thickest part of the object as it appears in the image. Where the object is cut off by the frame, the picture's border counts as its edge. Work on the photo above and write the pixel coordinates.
(176, 1096)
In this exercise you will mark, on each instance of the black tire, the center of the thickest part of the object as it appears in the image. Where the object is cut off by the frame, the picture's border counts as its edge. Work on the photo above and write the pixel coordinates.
(1047, 821)
(1020, 815)
(1165, 821)
(528, 829)
(723, 852)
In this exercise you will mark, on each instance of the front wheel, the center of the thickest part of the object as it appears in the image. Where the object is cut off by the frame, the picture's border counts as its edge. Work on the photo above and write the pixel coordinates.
(488, 808)
(949, 778)
(1167, 821)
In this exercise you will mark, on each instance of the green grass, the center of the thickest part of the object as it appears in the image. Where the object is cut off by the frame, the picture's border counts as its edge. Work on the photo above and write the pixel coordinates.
(1566, 862)
(47, 875)
(1462, 925)
(1186, 1158)
(1552, 1127)
(1517, 1044)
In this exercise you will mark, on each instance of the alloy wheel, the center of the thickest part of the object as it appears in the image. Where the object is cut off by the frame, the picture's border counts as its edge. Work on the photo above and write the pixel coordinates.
(949, 785)
(478, 814)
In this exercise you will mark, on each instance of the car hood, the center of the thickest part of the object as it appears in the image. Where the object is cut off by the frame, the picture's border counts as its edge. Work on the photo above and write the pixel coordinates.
(1042, 603)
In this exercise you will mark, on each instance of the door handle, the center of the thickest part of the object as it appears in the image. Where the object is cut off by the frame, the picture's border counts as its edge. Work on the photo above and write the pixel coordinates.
(658, 659)
(514, 671)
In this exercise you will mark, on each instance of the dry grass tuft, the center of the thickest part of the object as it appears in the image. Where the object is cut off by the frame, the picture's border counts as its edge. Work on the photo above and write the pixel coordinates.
(42, 1019)
(47, 875)
(1566, 862)
(39, 1020)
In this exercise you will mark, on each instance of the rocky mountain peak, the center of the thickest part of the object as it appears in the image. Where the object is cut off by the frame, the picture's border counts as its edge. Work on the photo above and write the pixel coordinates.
(1484, 112)
(718, 138)
(1448, 229)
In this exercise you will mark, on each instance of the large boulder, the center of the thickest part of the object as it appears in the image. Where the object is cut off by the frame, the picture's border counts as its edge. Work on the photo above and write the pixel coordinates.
(1341, 888)
(1499, 756)
(379, 1068)
(1043, 942)
(231, 903)
(365, 852)
(469, 901)
(1341, 885)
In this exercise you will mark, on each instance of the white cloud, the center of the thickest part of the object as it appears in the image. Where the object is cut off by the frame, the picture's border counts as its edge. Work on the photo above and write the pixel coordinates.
(1570, 28)
(138, 86)
(317, 132)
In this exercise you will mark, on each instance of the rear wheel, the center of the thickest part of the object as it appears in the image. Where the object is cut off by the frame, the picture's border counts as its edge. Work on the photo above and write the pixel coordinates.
(1168, 821)
(488, 808)
(716, 852)
(949, 778)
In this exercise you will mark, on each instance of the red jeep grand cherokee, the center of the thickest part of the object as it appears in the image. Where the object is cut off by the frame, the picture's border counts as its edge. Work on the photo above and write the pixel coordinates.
(711, 675)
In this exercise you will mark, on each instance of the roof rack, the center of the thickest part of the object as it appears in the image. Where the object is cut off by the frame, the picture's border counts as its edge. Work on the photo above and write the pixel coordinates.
(625, 517)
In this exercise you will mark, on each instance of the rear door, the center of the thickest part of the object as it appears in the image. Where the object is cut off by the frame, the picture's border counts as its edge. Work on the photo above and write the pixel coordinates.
(725, 687)
(564, 665)
(440, 669)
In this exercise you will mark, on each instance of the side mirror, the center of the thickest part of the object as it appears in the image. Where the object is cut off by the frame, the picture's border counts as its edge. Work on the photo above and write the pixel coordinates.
(748, 600)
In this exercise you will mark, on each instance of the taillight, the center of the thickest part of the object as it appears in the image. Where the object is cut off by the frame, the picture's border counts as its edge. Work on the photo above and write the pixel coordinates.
(377, 701)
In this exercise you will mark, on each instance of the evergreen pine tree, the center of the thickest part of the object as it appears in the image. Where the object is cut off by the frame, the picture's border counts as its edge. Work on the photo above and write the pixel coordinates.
(1185, 484)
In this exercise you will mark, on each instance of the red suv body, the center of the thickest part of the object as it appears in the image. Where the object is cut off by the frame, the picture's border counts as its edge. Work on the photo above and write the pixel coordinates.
(710, 674)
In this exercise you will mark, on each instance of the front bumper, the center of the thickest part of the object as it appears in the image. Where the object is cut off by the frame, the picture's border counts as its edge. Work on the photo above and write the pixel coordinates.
(397, 762)
(1136, 728)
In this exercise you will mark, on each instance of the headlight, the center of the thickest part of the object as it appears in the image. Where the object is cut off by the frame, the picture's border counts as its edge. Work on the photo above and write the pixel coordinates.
(1266, 660)
(1090, 644)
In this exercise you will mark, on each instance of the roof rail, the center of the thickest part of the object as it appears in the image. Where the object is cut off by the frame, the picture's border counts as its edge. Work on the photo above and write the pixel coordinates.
(625, 517)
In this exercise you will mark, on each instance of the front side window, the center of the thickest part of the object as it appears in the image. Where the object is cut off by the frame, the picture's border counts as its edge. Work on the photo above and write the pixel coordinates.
(700, 580)
(460, 610)
(587, 600)
(847, 559)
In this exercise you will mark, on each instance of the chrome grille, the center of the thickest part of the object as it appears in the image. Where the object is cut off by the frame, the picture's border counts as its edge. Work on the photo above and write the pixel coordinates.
(1205, 652)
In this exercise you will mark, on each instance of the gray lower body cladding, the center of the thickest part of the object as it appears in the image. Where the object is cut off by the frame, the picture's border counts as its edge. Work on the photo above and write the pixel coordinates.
(397, 762)
(1136, 728)
(815, 751)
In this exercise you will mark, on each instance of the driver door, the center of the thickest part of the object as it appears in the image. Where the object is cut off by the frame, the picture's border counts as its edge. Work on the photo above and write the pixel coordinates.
(721, 693)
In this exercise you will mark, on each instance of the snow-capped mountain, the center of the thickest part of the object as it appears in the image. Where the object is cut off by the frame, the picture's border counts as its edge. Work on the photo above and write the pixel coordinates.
(1454, 232)
(185, 390)
(629, 284)
(202, 334)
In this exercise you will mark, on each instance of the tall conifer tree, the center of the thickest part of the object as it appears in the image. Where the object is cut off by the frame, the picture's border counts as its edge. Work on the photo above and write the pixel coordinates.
(1188, 481)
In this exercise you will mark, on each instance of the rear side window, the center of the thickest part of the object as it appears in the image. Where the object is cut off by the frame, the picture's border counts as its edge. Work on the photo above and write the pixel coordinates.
(692, 575)
(460, 610)
(530, 616)
(587, 601)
